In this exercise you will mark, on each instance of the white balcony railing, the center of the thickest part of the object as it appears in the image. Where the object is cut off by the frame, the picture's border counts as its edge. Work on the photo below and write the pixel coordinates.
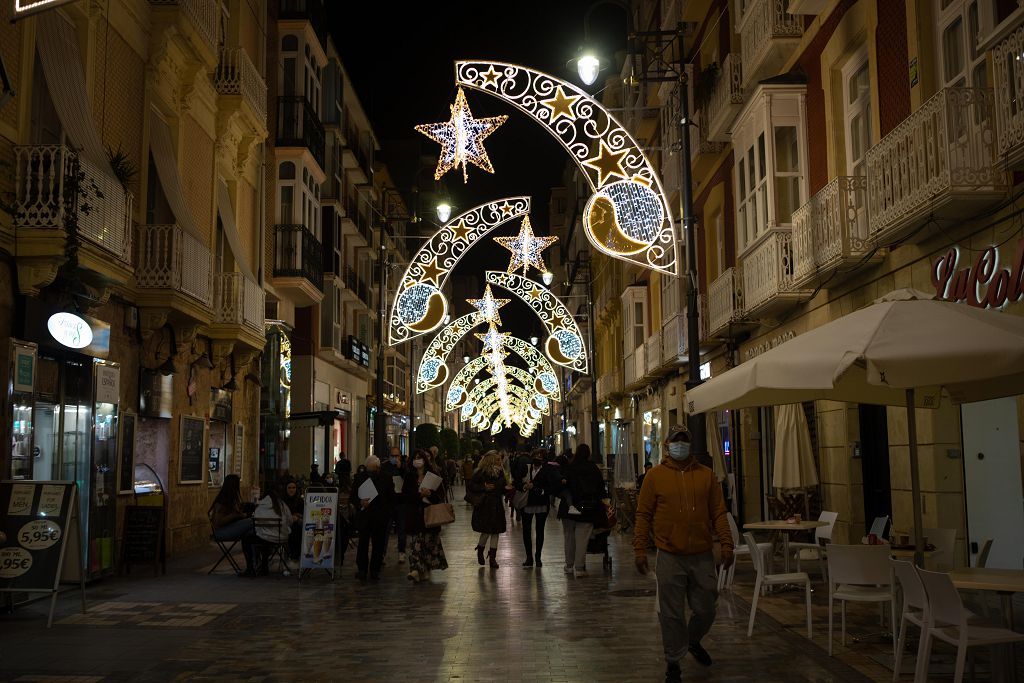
(768, 33)
(54, 184)
(768, 270)
(725, 301)
(673, 338)
(237, 75)
(237, 300)
(652, 352)
(1008, 68)
(943, 152)
(202, 14)
(170, 258)
(726, 98)
(831, 229)
(700, 143)
(609, 383)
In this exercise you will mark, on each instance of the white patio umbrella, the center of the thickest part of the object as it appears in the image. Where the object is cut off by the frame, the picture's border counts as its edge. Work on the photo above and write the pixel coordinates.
(905, 349)
(794, 455)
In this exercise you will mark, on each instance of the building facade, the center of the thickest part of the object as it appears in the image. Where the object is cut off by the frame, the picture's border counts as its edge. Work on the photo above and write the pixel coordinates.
(840, 150)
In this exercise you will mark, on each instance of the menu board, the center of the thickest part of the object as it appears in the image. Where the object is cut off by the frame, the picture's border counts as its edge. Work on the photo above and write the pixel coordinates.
(320, 515)
(193, 430)
(41, 539)
(143, 536)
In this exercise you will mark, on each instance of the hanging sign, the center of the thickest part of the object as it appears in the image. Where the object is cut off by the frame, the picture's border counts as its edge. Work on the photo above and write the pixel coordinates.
(69, 330)
(24, 368)
(318, 525)
(984, 283)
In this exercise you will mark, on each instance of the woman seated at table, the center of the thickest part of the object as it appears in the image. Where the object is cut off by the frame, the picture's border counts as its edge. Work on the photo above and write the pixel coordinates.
(293, 499)
(227, 514)
(273, 522)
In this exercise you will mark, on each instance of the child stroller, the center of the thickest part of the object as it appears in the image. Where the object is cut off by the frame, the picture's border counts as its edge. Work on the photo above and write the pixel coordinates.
(597, 544)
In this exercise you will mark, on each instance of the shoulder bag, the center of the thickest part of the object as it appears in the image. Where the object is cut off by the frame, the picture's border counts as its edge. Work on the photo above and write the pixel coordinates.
(439, 514)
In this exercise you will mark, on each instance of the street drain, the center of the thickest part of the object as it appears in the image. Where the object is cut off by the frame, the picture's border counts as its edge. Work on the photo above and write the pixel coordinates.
(633, 593)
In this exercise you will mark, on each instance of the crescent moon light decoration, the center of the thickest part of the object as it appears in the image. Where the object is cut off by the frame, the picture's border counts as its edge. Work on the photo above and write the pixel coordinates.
(420, 306)
(433, 370)
(628, 216)
(564, 345)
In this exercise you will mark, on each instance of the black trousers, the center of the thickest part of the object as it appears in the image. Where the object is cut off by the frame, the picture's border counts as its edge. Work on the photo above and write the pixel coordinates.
(377, 534)
(528, 517)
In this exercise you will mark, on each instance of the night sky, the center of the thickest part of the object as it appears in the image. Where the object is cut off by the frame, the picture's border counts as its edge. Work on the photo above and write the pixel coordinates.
(400, 60)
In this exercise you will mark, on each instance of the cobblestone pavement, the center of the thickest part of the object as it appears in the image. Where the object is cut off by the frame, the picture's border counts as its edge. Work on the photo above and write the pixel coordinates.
(467, 624)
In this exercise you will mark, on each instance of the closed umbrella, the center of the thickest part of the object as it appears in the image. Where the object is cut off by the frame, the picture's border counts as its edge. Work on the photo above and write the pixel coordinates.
(794, 458)
(715, 447)
(904, 349)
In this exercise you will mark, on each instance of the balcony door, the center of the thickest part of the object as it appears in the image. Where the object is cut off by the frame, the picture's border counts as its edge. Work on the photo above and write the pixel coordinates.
(958, 22)
(857, 111)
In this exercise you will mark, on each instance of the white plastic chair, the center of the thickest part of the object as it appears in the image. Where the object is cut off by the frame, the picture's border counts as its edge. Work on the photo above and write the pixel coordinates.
(982, 559)
(859, 573)
(880, 526)
(816, 551)
(944, 541)
(915, 611)
(739, 548)
(766, 579)
(948, 621)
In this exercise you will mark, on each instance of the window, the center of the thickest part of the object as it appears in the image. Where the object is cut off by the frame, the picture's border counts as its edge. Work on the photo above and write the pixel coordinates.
(770, 137)
(857, 111)
(959, 22)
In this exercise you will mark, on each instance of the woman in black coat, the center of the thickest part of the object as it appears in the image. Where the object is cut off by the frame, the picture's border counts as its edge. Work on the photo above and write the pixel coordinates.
(486, 491)
(538, 479)
(426, 551)
(584, 489)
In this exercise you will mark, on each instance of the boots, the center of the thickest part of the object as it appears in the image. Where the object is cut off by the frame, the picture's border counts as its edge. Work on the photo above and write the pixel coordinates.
(480, 555)
(492, 555)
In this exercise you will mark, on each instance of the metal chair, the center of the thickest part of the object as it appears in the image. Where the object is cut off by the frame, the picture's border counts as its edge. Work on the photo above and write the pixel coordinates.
(859, 573)
(225, 551)
(766, 579)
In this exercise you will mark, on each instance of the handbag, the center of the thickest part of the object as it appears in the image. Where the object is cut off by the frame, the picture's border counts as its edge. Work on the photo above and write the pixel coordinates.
(439, 514)
(522, 498)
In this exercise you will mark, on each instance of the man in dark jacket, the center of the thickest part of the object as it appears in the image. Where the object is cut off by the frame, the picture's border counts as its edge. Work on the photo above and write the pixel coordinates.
(395, 466)
(372, 519)
(583, 487)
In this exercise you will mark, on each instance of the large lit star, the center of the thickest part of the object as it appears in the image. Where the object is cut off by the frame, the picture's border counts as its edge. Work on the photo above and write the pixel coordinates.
(461, 138)
(607, 163)
(526, 248)
(492, 339)
(489, 306)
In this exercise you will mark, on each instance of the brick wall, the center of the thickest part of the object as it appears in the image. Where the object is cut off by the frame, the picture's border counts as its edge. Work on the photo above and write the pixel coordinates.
(893, 66)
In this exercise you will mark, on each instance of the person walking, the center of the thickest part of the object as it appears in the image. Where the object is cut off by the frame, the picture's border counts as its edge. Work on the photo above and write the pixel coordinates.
(396, 469)
(580, 508)
(682, 502)
(372, 519)
(535, 478)
(426, 552)
(486, 490)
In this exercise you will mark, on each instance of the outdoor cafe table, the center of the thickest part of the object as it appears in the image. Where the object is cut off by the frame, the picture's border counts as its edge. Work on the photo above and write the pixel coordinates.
(786, 528)
(1005, 582)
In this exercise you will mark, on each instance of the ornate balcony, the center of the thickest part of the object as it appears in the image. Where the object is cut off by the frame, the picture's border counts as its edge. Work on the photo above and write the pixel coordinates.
(768, 274)
(57, 191)
(675, 346)
(725, 302)
(299, 126)
(652, 353)
(236, 76)
(940, 160)
(298, 264)
(634, 368)
(196, 20)
(703, 150)
(769, 34)
(726, 99)
(609, 384)
(1009, 98)
(238, 309)
(174, 271)
(830, 232)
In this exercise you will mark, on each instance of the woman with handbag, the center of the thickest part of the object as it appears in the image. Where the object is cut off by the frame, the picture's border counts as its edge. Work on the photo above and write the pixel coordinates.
(426, 552)
(534, 479)
(580, 509)
(486, 490)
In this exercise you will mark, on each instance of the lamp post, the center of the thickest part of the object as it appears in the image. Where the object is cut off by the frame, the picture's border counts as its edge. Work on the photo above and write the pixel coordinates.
(660, 71)
(379, 428)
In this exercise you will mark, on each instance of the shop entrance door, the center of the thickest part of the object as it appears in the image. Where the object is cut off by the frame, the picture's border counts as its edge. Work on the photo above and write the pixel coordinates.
(992, 477)
(874, 462)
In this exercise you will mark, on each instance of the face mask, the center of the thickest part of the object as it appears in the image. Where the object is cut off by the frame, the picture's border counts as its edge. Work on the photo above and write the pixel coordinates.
(679, 450)
(394, 461)
(418, 464)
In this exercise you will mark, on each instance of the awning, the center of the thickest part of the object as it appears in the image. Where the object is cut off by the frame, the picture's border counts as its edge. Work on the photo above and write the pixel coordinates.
(166, 161)
(227, 219)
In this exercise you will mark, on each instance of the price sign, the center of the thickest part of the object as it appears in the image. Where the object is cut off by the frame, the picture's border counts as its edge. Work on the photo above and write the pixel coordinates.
(39, 534)
(14, 562)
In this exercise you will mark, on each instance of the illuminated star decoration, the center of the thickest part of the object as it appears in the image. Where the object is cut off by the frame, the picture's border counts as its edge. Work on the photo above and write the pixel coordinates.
(526, 248)
(560, 105)
(488, 306)
(462, 138)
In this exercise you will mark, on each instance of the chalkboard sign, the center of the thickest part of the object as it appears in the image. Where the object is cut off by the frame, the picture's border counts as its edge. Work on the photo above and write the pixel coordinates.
(143, 536)
(193, 430)
(42, 539)
(127, 465)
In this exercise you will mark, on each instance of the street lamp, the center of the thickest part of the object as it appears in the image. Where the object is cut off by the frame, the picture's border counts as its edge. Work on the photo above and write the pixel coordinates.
(588, 66)
(444, 212)
(547, 277)
(534, 339)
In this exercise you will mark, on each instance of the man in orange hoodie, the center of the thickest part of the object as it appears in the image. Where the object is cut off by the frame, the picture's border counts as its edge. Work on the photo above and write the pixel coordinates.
(682, 502)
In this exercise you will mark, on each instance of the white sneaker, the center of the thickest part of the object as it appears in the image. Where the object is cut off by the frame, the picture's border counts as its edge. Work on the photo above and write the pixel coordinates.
(401, 558)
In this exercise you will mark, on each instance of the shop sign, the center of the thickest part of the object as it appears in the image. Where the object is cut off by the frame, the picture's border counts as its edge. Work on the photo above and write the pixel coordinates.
(768, 344)
(69, 330)
(983, 284)
(24, 368)
(342, 400)
(108, 384)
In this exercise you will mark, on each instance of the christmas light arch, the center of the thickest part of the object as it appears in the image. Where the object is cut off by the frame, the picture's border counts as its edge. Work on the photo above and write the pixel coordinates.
(433, 369)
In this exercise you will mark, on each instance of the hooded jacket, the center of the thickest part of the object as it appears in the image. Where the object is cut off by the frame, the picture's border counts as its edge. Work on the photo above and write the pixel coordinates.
(682, 502)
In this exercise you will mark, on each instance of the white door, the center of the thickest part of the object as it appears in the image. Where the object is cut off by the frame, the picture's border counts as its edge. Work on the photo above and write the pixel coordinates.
(992, 477)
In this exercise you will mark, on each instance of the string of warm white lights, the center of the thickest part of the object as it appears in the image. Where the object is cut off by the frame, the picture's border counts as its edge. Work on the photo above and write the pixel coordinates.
(526, 248)
(462, 138)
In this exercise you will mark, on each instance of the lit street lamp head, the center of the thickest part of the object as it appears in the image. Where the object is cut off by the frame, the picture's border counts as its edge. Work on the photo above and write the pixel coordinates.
(444, 212)
(547, 277)
(588, 66)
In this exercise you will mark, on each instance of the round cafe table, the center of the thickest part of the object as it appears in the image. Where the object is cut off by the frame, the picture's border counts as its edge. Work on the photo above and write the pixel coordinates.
(786, 528)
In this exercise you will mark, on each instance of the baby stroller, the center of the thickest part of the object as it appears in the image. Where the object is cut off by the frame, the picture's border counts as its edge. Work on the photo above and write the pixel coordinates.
(597, 544)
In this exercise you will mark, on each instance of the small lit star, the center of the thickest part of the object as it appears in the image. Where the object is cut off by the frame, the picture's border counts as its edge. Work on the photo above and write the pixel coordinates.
(607, 163)
(488, 306)
(461, 138)
(506, 210)
(534, 294)
(461, 231)
(490, 77)
(492, 339)
(561, 105)
(432, 272)
(526, 248)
